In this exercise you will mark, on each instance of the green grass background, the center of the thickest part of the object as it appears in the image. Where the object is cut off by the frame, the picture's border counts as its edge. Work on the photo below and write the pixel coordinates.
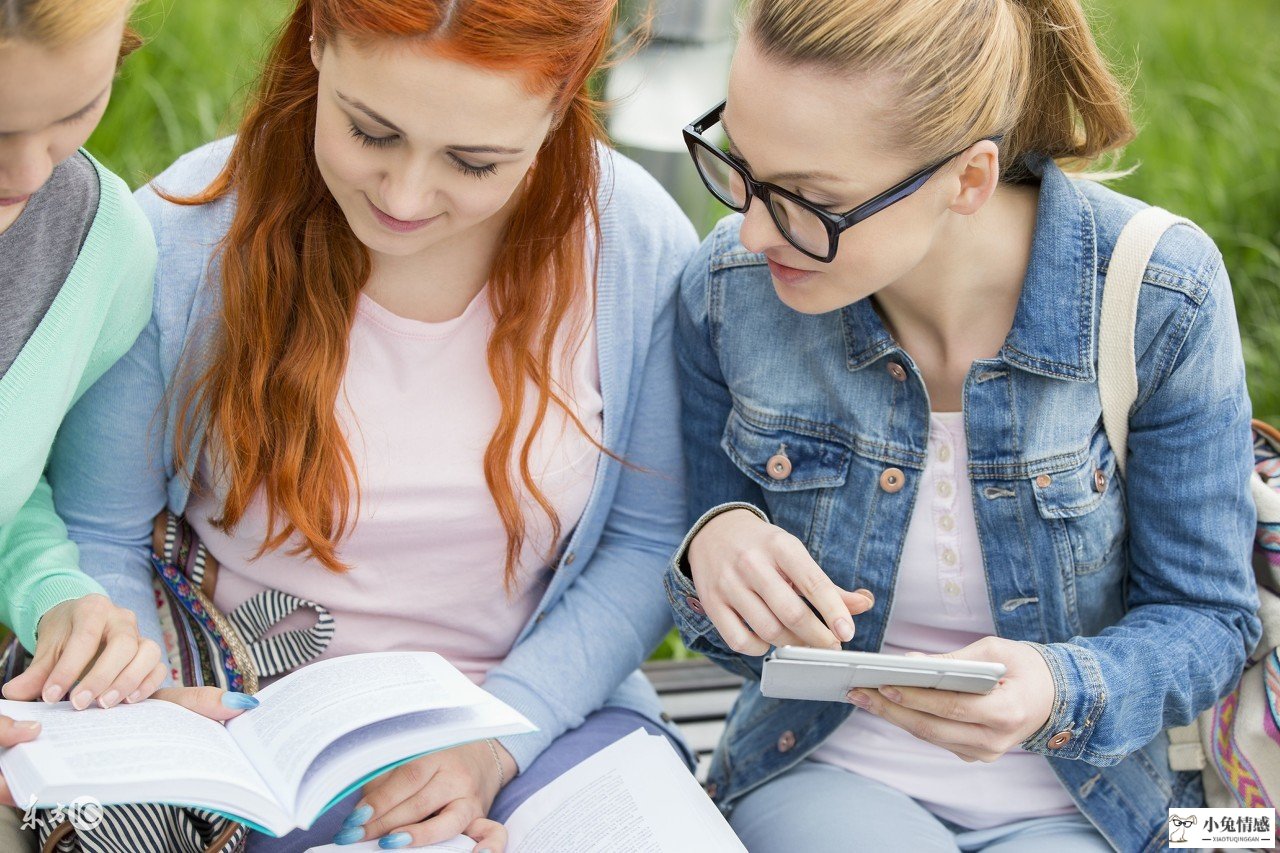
(1206, 85)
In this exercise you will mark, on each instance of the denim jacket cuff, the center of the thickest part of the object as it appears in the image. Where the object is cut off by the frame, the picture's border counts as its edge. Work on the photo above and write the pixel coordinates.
(681, 560)
(1080, 697)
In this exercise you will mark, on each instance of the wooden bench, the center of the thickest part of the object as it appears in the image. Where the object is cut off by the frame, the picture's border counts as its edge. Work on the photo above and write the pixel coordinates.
(696, 694)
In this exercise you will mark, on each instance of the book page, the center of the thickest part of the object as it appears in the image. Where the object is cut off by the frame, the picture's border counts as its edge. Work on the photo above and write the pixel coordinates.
(635, 796)
(305, 711)
(130, 745)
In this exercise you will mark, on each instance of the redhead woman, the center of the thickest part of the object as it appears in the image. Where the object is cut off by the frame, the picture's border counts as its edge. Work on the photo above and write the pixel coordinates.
(890, 360)
(411, 357)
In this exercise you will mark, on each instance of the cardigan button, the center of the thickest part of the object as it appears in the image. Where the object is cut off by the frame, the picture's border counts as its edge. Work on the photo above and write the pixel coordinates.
(1060, 740)
(892, 480)
(787, 741)
(778, 466)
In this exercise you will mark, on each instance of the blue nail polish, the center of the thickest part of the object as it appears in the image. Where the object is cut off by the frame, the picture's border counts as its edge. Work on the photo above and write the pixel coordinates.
(359, 817)
(350, 835)
(239, 701)
(393, 842)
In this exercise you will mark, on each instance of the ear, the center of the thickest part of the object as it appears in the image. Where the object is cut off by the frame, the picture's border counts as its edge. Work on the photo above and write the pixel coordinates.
(316, 51)
(978, 169)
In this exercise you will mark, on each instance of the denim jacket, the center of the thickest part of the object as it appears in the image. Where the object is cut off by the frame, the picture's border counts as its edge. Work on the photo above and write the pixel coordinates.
(1139, 594)
(603, 611)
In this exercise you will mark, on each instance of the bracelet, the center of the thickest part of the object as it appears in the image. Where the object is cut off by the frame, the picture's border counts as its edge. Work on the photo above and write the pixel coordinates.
(502, 776)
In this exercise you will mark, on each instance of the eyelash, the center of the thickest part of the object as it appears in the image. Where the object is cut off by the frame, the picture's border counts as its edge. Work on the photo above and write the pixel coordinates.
(458, 163)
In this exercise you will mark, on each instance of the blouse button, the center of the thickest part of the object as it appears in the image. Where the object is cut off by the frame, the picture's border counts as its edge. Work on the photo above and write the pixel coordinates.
(778, 466)
(897, 371)
(1059, 740)
(951, 588)
(944, 488)
(947, 523)
(1044, 481)
(892, 480)
(949, 557)
(787, 741)
(944, 453)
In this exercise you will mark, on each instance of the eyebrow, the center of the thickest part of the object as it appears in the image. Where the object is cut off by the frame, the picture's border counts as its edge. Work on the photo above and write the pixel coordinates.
(784, 176)
(75, 116)
(389, 125)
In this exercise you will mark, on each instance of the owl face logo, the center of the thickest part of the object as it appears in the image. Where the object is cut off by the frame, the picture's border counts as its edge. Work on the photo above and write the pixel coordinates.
(1178, 826)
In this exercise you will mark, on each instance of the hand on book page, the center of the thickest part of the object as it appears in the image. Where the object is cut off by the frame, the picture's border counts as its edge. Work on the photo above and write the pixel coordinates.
(460, 844)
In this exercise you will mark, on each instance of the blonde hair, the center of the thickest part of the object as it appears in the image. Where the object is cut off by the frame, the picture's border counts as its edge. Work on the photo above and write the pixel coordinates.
(963, 70)
(61, 23)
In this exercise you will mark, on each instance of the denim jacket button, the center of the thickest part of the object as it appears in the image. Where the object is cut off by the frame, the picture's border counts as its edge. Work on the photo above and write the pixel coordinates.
(695, 605)
(892, 480)
(711, 790)
(1059, 740)
(787, 741)
(897, 371)
(1044, 481)
(779, 466)
(1099, 480)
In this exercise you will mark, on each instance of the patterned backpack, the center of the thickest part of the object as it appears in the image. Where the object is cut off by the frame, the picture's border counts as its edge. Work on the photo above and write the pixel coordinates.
(1236, 743)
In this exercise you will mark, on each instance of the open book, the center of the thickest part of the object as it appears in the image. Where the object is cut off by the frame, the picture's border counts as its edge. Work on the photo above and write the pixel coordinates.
(634, 796)
(319, 733)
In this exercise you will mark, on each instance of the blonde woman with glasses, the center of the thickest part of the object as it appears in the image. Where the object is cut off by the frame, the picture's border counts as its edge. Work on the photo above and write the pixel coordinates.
(889, 363)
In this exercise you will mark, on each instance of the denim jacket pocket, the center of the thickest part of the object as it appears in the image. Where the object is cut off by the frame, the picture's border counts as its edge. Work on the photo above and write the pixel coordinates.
(1083, 505)
(799, 465)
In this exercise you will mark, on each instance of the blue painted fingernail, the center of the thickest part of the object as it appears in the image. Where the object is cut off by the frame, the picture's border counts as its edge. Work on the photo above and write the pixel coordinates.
(239, 701)
(349, 835)
(359, 817)
(392, 842)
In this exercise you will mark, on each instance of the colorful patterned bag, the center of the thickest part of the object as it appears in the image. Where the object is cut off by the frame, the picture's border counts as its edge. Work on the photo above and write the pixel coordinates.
(204, 648)
(1236, 743)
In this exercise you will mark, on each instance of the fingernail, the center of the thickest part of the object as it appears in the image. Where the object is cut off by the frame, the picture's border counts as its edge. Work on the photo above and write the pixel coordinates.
(28, 725)
(239, 701)
(859, 698)
(844, 630)
(486, 850)
(891, 694)
(52, 693)
(868, 593)
(109, 699)
(81, 700)
(350, 835)
(392, 842)
(134, 697)
(359, 817)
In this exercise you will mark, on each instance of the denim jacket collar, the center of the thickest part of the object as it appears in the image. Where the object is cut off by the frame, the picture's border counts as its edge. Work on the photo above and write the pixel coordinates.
(1064, 249)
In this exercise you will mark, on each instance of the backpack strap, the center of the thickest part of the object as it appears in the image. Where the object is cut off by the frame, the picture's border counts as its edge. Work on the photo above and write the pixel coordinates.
(1117, 362)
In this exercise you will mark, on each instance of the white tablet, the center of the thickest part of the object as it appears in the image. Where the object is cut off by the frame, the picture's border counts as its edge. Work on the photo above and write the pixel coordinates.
(826, 675)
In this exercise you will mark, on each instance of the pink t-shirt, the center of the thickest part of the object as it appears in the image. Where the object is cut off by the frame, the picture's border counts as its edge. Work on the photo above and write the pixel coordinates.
(941, 604)
(427, 552)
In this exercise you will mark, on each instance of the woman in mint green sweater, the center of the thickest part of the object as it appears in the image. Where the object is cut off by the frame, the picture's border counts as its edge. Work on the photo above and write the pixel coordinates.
(77, 260)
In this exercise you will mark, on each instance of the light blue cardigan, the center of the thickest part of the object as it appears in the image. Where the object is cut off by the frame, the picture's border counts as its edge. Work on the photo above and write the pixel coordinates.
(604, 611)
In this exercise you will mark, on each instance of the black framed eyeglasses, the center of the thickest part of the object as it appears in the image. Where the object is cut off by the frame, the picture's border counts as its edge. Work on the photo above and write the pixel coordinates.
(813, 231)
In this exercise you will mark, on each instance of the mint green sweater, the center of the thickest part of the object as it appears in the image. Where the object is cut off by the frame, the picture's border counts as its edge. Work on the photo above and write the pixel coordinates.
(97, 315)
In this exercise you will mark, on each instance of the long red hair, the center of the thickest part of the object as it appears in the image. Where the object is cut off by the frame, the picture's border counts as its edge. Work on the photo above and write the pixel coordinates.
(292, 269)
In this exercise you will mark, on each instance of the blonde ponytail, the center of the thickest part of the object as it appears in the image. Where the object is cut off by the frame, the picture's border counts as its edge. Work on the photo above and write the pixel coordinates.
(964, 70)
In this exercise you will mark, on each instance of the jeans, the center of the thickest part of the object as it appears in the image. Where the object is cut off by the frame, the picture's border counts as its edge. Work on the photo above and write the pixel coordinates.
(818, 808)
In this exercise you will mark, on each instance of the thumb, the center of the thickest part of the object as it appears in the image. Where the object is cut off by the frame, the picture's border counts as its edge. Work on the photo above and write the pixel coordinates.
(211, 702)
(30, 683)
(489, 836)
(858, 601)
(14, 732)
